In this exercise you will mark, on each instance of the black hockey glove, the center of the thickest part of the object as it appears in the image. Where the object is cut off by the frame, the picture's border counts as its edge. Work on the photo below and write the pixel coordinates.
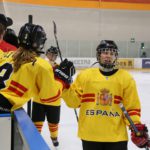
(65, 71)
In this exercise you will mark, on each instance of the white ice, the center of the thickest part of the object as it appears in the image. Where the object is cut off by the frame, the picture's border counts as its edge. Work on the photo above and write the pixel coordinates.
(68, 124)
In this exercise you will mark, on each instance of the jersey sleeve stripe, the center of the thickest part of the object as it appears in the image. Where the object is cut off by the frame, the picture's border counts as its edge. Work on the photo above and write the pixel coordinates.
(117, 101)
(137, 110)
(52, 99)
(118, 97)
(20, 94)
(18, 85)
(88, 95)
(87, 100)
(134, 113)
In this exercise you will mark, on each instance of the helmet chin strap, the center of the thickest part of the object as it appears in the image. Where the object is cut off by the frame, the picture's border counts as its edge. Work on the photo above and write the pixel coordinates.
(105, 69)
(40, 52)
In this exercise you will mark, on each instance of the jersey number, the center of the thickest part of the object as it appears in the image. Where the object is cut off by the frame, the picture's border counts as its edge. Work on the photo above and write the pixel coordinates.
(5, 72)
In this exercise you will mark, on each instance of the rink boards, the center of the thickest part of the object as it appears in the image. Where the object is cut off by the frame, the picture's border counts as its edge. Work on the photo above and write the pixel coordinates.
(126, 63)
(19, 133)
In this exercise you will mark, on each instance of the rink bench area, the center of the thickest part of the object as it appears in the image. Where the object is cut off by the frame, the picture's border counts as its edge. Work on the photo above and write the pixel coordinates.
(22, 132)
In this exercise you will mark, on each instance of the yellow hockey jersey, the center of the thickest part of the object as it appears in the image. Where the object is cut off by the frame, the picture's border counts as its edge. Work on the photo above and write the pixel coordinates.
(98, 96)
(1, 52)
(32, 80)
(1, 55)
(53, 103)
(4, 55)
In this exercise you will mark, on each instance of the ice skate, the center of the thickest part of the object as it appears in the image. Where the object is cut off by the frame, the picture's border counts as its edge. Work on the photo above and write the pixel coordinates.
(55, 143)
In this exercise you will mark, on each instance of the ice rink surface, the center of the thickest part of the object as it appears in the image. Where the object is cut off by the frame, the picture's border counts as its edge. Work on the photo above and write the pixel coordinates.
(68, 124)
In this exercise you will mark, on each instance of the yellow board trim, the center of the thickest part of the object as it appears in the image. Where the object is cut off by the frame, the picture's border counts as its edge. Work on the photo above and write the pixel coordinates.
(84, 4)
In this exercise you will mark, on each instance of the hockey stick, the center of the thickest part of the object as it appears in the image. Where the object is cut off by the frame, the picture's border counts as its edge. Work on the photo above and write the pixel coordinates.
(94, 63)
(130, 121)
(30, 20)
(55, 35)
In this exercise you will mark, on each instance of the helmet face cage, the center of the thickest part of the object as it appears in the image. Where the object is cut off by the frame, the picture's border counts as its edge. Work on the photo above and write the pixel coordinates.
(32, 37)
(38, 37)
(105, 46)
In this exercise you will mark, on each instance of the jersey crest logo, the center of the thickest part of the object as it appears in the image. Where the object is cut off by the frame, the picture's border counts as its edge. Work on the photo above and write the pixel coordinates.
(104, 97)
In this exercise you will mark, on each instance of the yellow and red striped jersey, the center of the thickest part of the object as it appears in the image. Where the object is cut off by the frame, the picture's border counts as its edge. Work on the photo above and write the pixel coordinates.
(1, 52)
(33, 80)
(53, 102)
(4, 55)
(98, 96)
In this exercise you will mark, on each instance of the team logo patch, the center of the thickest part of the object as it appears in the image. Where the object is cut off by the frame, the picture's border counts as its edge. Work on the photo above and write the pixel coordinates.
(104, 97)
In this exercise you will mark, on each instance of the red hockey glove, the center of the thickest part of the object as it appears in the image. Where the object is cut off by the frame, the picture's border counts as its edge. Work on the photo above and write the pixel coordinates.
(141, 140)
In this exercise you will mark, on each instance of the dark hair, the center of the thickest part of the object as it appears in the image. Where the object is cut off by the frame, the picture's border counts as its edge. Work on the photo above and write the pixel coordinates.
(23, 56)
(2, 29)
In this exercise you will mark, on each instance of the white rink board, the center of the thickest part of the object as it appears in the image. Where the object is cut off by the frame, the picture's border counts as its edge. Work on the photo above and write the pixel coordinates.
(5, 133)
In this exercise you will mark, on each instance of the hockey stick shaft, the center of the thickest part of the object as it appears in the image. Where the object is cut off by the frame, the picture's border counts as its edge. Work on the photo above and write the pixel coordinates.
(30, 20)
(94, 63)
(55, 35)
(130, 121)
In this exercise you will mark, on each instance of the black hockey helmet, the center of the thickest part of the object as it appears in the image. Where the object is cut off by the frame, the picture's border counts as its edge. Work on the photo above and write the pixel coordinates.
(11, 37)
(5, 21)
(32, 37)
(53, 50)
(107, 45)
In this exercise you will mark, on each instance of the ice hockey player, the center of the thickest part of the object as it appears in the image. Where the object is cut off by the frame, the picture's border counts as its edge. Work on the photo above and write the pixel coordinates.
(24, 74)
(97, 92)
(51, 111)
(51, 55)
(4, 23)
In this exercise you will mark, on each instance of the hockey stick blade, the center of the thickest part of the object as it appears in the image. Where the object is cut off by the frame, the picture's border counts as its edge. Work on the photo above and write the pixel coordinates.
(55, 35)
(55, 31)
